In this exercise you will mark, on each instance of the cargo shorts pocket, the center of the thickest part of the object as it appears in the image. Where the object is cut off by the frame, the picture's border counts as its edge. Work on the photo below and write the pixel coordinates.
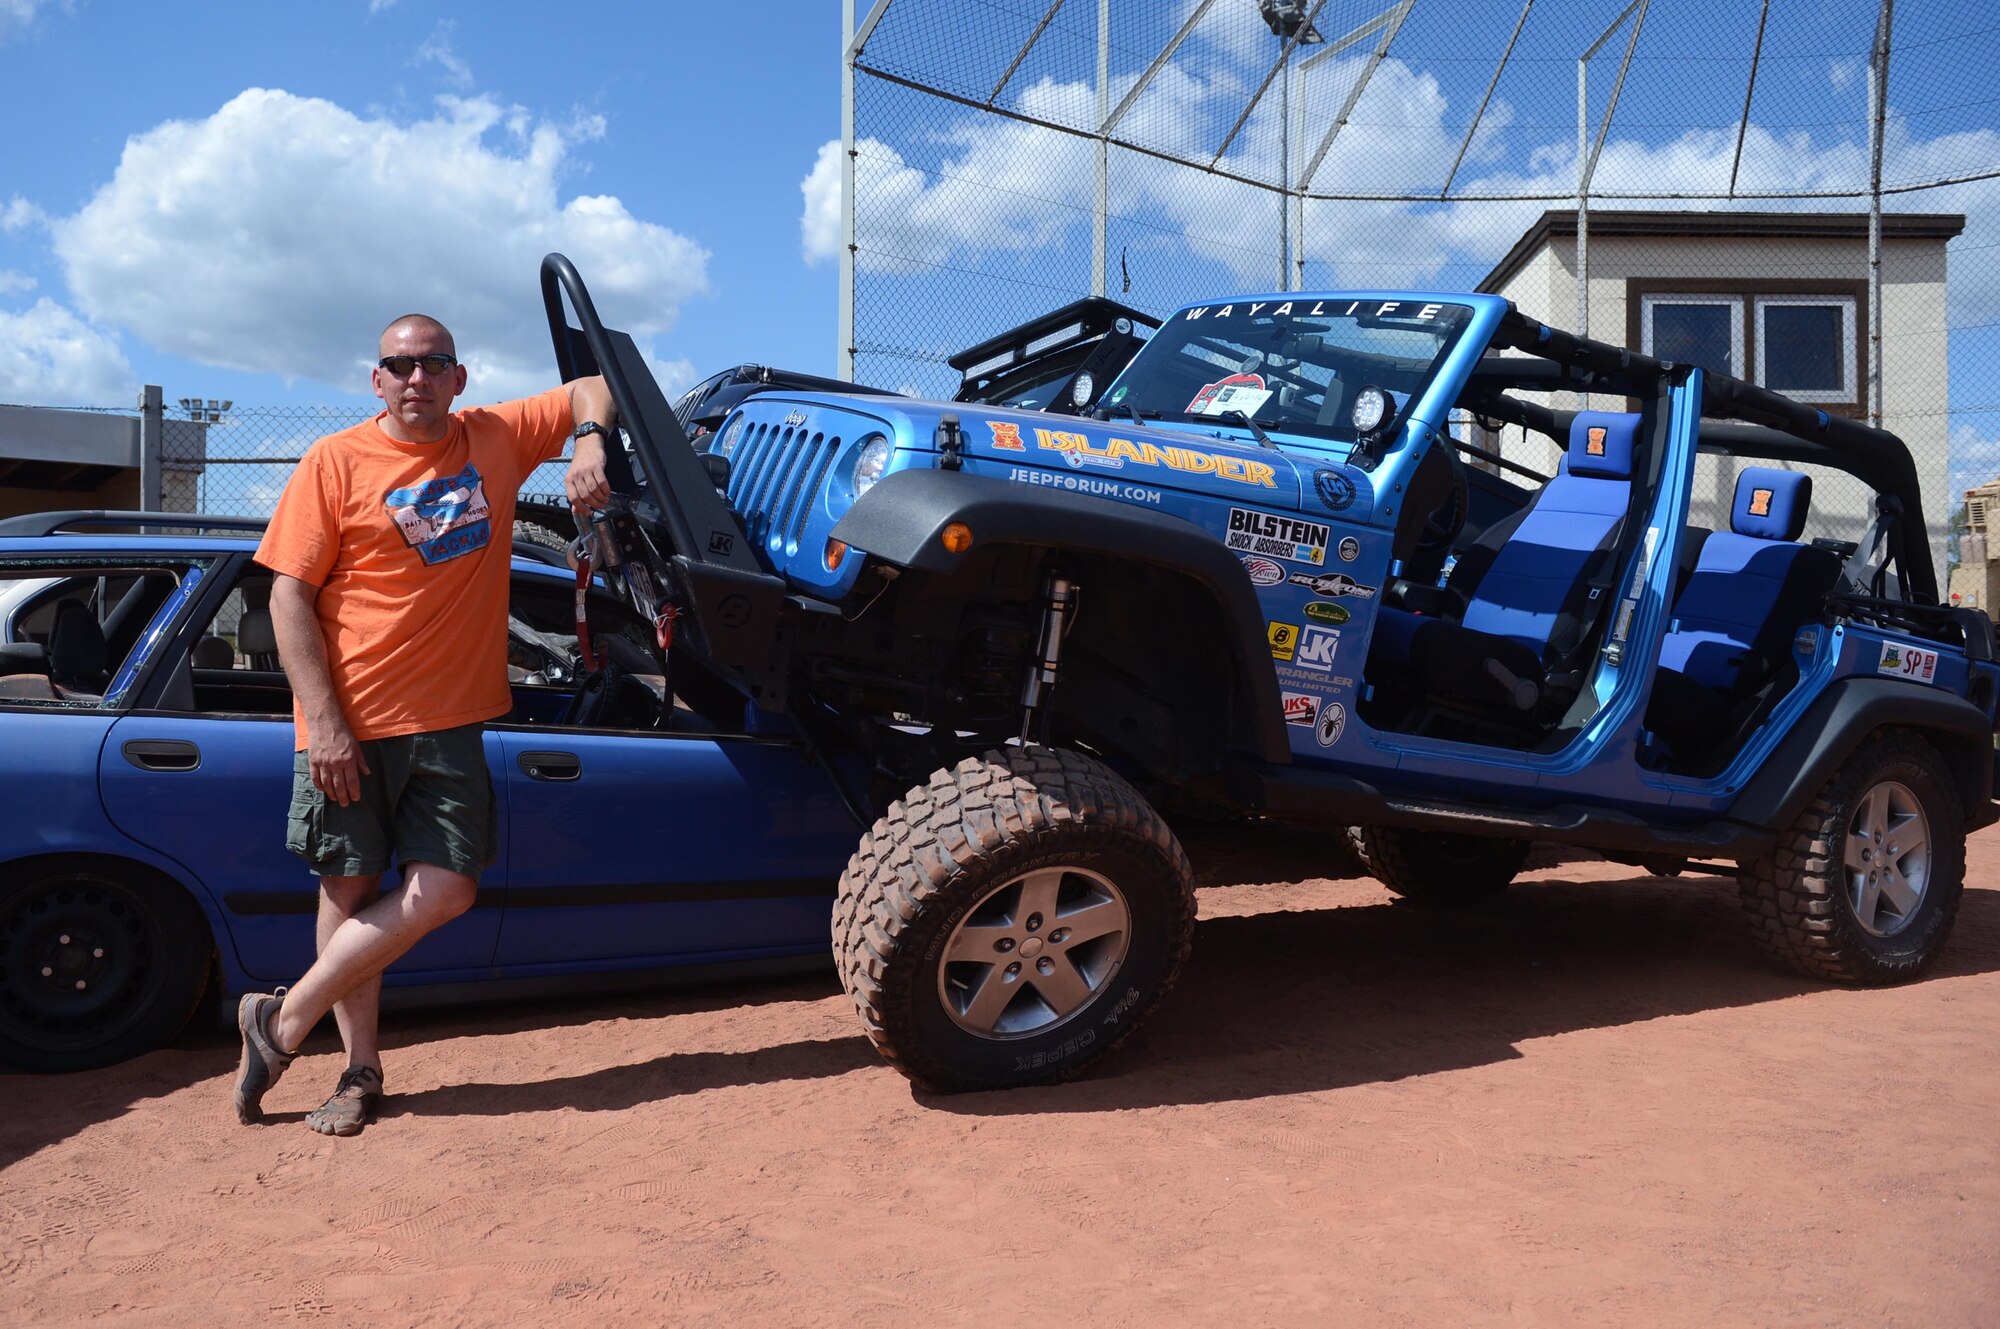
(307, 816)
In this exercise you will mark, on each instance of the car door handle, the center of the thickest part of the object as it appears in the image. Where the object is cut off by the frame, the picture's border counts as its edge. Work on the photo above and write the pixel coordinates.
(551, 765)
(162, 754)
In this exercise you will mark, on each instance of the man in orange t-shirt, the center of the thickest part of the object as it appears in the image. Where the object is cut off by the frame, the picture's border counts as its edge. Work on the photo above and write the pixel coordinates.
(391, 545)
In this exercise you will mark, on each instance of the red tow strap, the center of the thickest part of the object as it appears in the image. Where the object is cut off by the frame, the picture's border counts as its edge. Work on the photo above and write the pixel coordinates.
(583, 648)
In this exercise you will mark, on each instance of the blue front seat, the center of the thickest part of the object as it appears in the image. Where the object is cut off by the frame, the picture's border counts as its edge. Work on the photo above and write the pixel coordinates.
(1531, 585)
(1731, 636)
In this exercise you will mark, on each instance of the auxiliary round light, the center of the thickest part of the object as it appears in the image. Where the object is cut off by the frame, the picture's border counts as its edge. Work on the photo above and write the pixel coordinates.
(1371, 408)
(1079, 391)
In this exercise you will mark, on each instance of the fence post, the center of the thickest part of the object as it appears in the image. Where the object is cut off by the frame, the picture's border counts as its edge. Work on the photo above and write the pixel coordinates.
(152, 435)
(844, 357)
(1100, 220)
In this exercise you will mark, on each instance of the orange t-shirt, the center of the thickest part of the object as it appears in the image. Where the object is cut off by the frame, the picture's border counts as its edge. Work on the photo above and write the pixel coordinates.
(409, 544)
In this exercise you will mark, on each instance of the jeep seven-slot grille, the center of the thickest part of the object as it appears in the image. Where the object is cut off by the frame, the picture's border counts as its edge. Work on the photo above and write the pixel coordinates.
(773, 477)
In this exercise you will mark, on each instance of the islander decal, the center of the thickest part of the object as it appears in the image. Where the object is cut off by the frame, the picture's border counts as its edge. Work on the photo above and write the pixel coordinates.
(1080, 450)
(443, 519)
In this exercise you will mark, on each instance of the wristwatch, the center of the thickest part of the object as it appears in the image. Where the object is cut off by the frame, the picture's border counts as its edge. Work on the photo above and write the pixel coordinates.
(588, 427)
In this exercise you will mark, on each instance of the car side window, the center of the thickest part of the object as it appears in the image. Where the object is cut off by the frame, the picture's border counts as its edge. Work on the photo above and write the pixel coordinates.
(72, 633)
(233, 662)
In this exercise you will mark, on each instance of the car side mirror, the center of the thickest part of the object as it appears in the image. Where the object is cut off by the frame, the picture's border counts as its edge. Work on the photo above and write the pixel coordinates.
(718, 468)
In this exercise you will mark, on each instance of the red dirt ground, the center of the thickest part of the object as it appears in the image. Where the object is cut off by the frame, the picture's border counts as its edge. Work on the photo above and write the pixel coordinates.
(1591, 1103)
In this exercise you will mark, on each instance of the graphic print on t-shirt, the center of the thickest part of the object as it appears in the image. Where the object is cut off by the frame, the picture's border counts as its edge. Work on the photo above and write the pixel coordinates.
(444, 518)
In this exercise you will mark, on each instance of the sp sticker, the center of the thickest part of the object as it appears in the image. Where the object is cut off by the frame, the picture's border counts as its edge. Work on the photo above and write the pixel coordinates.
(1332, 720)
(1334, 489)
(1900, 660)
(1284, 640)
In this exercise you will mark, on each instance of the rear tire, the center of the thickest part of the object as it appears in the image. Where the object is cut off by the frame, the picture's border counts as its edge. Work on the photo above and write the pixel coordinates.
(1012, 921)
(1438, 868)
(1865, 884)
(96, 965)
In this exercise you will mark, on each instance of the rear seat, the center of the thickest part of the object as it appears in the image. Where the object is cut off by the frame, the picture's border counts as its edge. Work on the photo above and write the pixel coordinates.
(1751, 590)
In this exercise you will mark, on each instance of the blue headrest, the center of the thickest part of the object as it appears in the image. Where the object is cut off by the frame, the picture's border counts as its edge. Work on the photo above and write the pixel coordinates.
(1600, 444)
(1770, 504)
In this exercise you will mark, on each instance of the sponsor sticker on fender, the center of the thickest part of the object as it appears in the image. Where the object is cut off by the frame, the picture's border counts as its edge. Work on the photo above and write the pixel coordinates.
(1267, 533)
(1284, 639)
(1911, 662)
(1263, 572)
(1336, 584)
(1302, 709)
(1326, 611)
(1332, 719)
(1317, 647)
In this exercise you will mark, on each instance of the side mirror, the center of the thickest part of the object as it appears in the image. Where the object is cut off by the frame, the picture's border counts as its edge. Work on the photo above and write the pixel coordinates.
(718, 468)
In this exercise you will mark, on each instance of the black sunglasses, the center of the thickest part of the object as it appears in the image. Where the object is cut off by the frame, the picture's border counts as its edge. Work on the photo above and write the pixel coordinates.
(402, 366)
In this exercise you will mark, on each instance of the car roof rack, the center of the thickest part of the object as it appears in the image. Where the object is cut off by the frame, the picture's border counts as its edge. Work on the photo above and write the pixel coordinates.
(51, 523)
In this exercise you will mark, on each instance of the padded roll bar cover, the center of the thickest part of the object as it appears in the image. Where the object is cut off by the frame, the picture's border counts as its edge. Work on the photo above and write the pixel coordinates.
(1836, 723)
(1770, 504)
(900, 521)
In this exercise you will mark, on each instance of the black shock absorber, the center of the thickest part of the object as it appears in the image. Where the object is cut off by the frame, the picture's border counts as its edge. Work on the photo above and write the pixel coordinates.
(1059, 602)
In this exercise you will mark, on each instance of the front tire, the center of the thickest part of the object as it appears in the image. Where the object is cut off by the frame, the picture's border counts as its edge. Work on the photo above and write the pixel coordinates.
(96, 965)
(1865, 884)
(1012, 920)
(1435, 867)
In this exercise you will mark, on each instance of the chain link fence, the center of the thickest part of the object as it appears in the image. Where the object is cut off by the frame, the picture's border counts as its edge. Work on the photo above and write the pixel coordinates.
(1012, 155)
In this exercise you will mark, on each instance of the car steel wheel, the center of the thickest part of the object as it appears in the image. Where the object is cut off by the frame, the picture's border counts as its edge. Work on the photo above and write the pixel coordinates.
(1888, 858)
(1033, 952)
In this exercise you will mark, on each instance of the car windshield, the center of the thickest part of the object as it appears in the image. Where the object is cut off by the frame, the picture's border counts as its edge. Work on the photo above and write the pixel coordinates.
(1292, 365)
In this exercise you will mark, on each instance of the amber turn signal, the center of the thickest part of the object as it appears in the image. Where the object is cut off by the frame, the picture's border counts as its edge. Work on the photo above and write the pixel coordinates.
(958, 537)
(836, 553)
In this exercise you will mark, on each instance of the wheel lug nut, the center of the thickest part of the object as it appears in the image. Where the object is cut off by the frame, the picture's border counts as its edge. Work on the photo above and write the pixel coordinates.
(47, 972)
(79, 985)
(63, 940)
(97, 954)
(1004, 945)
(1057, 937)
(1045, 966)
(1034, 922)
(1013, 969)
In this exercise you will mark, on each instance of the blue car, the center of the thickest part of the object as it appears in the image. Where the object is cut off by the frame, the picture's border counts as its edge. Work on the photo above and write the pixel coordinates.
(145, 767)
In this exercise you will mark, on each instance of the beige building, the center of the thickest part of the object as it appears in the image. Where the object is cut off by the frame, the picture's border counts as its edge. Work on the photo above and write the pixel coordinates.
(1779, 299)
(1973, 581)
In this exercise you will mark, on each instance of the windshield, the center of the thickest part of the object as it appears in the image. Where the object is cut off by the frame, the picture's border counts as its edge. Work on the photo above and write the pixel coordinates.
(1292, 365)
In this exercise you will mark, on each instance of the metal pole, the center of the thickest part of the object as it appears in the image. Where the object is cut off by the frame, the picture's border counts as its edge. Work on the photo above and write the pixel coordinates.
(1284, 179)
(1480, 114)
(1582, 197)
(1298, 199)
(1878, 114)
(1100, 220)
(152, 445)
(844, 333)
(1749, 90)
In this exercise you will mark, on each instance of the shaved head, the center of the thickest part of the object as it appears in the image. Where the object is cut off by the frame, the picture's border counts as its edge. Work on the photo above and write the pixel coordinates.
(422, 325)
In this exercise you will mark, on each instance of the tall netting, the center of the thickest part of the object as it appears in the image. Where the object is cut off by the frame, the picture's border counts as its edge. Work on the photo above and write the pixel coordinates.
(1249, 147)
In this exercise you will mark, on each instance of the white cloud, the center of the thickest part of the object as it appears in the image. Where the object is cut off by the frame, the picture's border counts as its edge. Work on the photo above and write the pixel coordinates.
(19, 214)
(1975, 459)
(50, 357)
(12, 282)
(282, 232)
(819, 221)
(16, 16)
(377, 6)
(437, 49)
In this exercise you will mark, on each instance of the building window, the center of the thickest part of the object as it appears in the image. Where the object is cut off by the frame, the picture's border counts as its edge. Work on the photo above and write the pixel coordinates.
(1705, 330)
(1805, 346)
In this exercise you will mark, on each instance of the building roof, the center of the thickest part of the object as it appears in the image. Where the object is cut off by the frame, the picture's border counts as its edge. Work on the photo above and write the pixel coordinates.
(1939, 226)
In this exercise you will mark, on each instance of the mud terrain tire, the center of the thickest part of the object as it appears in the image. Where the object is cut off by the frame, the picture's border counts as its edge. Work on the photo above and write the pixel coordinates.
(1810, 902)
(1030, 857)
(1435, 868)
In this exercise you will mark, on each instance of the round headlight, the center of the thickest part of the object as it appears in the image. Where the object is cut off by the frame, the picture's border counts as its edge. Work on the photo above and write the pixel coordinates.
(870, 460)
(731, 437)
(1371, 408)
(1079, 391)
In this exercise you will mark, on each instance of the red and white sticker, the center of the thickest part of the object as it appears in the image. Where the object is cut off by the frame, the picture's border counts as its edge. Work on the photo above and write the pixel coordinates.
(1900, 660)
(1210, 391)
(1301, 708)
(1263, 572)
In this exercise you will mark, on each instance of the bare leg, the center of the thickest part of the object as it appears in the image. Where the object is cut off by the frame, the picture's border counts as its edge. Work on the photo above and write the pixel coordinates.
(362, 946)
(359, 1013)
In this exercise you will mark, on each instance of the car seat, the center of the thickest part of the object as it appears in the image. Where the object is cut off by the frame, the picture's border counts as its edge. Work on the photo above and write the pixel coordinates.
(1530, 586)
(212, 652)
(1752, 589)
(78, 657)
(257, 638)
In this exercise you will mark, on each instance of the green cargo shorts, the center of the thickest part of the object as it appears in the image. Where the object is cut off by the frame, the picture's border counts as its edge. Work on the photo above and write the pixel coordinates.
(427, 798)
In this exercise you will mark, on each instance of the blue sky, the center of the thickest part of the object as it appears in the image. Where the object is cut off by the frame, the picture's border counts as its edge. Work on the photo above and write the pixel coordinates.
(229, 199)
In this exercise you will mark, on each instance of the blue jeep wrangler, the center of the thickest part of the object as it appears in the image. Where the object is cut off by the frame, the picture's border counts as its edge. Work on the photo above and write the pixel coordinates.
(1264, 579)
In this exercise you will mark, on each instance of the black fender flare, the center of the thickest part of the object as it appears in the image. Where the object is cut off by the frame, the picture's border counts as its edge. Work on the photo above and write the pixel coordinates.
(901, 521)
(1845, 714)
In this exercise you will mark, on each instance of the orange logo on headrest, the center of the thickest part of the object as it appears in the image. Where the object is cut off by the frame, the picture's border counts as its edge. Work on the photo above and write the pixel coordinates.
(1593, 442)
(1760, 502)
